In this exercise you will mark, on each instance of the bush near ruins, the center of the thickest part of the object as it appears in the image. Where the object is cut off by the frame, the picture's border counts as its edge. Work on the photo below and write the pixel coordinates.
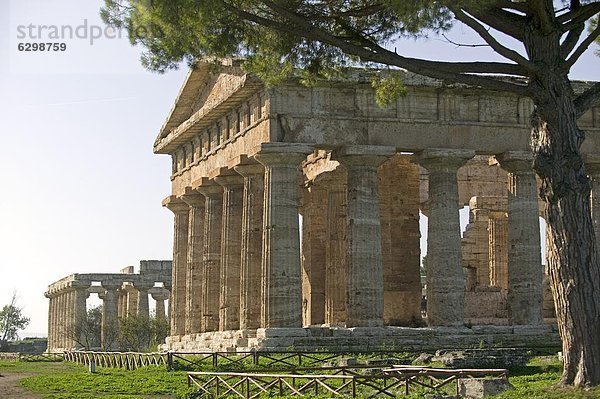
(11, 321)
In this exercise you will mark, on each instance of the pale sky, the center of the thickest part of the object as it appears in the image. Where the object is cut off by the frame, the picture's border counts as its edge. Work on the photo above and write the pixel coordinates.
(81, 188)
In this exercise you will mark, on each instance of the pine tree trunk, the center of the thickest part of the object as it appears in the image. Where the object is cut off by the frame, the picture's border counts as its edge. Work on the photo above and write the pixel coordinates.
(573, 261)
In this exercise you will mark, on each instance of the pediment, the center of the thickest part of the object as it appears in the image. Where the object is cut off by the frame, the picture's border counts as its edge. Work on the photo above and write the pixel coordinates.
(207, 86)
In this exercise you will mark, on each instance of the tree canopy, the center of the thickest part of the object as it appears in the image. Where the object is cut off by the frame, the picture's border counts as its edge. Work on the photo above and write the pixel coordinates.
(12, 320)
(321, 37)
(538, 41)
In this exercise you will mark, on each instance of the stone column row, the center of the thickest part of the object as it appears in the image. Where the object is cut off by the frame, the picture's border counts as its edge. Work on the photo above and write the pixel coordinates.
(445, 278)
(226, 277)
(65, 312)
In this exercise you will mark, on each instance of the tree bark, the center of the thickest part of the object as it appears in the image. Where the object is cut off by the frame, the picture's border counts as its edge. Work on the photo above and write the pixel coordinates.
(573, 261)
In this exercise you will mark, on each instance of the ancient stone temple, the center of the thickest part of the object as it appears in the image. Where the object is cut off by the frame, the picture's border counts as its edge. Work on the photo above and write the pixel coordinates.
(125, 293)
(296, 215)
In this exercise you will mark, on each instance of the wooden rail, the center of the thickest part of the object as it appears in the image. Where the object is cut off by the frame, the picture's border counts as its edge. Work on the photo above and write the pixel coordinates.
(126, 360)
(31, 357)
(392, 382)
(9, 356)
(285, 360)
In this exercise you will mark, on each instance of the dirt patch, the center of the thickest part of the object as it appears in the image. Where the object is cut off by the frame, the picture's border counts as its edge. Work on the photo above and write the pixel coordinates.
(10, 388)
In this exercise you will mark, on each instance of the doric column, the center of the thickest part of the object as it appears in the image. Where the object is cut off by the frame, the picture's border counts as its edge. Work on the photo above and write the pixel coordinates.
(314, 251)
(179, 269)
(131, 300)
(160, 297)
(142, 287)
(122, 303)
(525, 297)
(282, 284)
(80, 295)
(592, 166)
(211, 285)
(251, 250)
(50, 325)
(67, 318)
(445, 277)
(365, 274)
(194, 261)
(231, 245)
(336, 246)
(399, 184)
(110, 322)
(61, 320)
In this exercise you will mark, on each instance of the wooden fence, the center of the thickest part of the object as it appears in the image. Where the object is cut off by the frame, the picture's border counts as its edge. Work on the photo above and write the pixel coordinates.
(285, 360)
(279, 360)
(31, 357)
(401, 380)
(126, 360)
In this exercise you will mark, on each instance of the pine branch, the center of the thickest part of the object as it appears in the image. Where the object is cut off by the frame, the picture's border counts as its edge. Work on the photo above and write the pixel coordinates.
(588, 99)
(585, 44)
(578, 15)
(444, 71)
(503, 21)
(487, 36)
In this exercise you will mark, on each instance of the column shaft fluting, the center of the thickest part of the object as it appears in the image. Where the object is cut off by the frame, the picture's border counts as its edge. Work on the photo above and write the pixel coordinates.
(365, 273)
(498, 239)
(194, 263)
(525, 273)
(80, 317)
(62, 307)
(282, 284)
(179, 268)
(231, 246)
(213, 210)
(445, 277)
(143, 309)
(251, 250)
(336, 248)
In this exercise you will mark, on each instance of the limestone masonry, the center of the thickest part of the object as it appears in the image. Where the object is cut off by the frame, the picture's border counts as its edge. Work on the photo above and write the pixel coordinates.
(248, 160)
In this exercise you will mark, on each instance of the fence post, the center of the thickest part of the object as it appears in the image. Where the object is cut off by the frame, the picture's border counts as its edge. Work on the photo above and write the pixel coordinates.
(169, 361)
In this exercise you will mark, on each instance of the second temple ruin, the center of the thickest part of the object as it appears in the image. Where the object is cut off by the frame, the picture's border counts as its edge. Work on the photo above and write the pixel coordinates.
(122, 294)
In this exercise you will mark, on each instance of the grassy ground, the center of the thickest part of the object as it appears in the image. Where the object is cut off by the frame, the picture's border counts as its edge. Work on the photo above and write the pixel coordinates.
(68, 381)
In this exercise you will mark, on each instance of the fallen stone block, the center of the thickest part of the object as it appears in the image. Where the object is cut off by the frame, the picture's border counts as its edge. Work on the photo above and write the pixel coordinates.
(477, 388)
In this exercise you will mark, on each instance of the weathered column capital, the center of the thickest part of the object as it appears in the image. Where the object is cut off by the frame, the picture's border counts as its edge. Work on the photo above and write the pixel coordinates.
(227, 178)
(249, 170)
(516, 162)
(270, 154)
(363, 155)
(208, 187)
(160, 295)
(175, 204)
(442, 159)
(192, 198)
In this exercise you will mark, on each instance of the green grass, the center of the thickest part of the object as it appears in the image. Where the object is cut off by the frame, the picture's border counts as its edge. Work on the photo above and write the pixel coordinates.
(69, 381)
(538, 380)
